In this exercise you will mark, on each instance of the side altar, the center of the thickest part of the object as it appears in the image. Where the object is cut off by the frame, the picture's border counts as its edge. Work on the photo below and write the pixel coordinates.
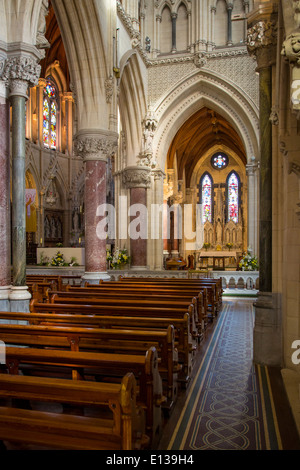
(68, 253)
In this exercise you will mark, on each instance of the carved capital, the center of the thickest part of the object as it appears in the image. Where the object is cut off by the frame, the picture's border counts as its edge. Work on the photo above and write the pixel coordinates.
(137, 177)
(19, 73)
(92, 146)
(261, 42)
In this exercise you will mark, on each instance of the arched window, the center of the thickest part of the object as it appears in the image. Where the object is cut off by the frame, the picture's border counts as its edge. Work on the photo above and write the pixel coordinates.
(50, 115)
(206, 186)
(233, 197)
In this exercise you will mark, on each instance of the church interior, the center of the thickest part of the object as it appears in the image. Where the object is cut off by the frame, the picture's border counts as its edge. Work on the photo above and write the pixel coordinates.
(150, 225)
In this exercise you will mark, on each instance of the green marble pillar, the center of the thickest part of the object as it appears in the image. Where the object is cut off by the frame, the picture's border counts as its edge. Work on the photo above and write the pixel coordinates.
(265, 217)
(18, 191)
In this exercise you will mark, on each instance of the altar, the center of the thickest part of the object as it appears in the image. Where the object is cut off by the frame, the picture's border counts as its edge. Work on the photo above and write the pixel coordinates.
(69, 253)
(218, 260)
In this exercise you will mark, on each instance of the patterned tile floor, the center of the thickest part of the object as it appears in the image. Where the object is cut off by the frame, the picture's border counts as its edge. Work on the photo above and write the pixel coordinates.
(229, 404)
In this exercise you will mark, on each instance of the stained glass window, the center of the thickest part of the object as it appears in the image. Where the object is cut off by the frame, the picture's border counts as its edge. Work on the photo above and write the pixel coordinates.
(49, 116)
(206, 199)
(233, 197)
(219, 160)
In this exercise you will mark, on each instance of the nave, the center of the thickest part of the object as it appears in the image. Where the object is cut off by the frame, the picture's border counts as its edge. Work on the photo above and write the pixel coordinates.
(231, 404)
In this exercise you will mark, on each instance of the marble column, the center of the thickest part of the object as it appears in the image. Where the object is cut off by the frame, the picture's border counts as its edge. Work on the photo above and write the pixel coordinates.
(21, 70)
(137, 180)
(5, 271)
(95, 147)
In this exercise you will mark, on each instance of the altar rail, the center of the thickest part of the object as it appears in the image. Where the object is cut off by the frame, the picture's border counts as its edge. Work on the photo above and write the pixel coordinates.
(234, 279)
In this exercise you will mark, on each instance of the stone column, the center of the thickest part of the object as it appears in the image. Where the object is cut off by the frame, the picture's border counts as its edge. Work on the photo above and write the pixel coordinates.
(229, 27)
(5, 275)
(267, 339)
(20, 71)
(137, 180)
(95, 147)
(158, 199)
(174, 19)
(253, 199)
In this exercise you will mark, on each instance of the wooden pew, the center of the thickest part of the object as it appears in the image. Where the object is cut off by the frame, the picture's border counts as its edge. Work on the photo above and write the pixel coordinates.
(140, 301)
(183, 340)
(153, 291)
(184, 355)
(119, 427)
(99, 367)
(179, 281)
(128, 294)
(122, 341)
(212, 303)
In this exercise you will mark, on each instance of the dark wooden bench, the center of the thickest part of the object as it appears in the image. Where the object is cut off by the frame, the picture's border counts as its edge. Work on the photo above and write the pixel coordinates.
(212, 303)
(192, 297)
(120, 425)
(140, 301)
(184, 343)
(127, 294)
(184, 355)
(122, 341)
(99, 367)
(205, 282)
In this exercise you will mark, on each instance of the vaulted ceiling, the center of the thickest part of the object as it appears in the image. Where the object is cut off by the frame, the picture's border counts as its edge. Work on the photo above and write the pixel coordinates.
(202, 131)
(57, 50)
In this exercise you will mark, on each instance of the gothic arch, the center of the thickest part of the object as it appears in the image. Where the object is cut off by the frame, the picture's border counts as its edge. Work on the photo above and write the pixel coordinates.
(133, 110)
(196, 91)
(83, 32)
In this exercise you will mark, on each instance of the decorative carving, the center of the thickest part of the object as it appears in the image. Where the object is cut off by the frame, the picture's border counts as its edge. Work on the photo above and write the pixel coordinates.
(41, 42)
(20, 68)
(274, 116)
(291, 51)
(149, 125)
(137, 177)
(200, 59)
(109, 88)
(94, 148)
(291, 48)
(262, 34)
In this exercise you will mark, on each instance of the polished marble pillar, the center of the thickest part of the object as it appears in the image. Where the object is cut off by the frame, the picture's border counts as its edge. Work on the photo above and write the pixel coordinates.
(95, 147)
(137, 180)
(5, 272)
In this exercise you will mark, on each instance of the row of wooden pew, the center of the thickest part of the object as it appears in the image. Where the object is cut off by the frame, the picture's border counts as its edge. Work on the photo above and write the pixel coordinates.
(137, 336)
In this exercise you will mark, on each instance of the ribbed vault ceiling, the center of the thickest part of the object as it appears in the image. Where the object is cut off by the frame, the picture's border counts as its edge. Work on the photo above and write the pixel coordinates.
(202, 131)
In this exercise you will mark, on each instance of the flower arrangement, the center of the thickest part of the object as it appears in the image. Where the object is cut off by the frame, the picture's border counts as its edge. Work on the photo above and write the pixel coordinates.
(58, 260)
(248, 262)
(206, 246)
(117, 259)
